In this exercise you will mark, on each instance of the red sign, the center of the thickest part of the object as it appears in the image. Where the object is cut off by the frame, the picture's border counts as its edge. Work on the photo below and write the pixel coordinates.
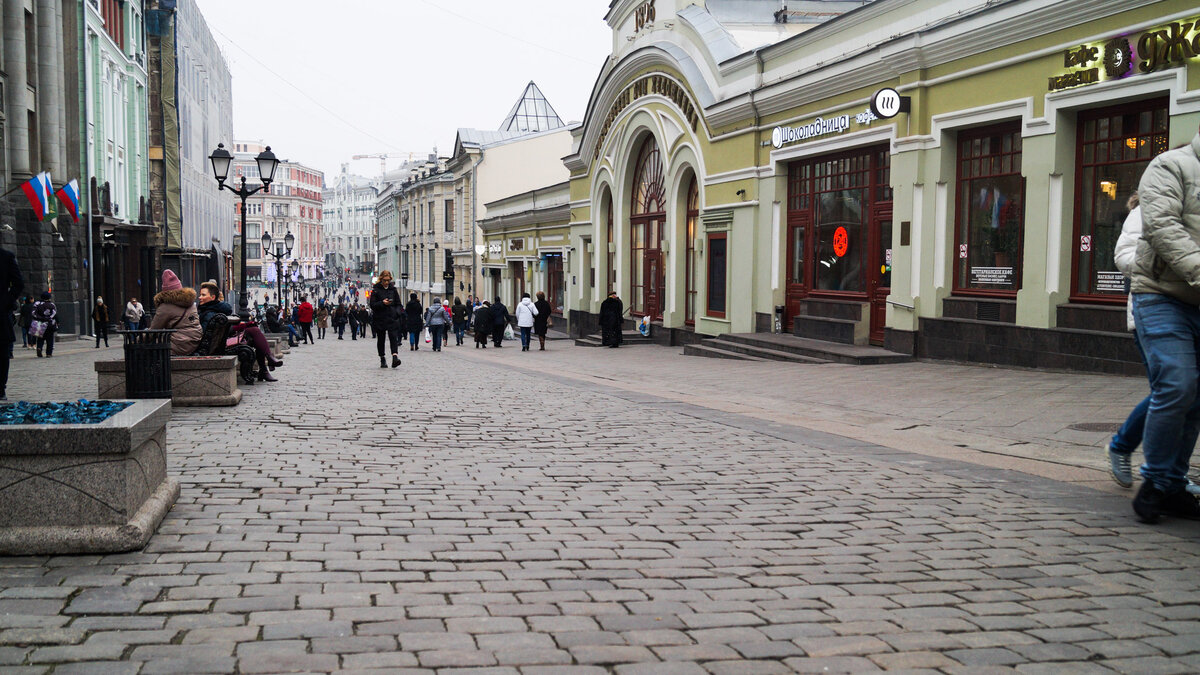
(841, 241)
(1085, 243)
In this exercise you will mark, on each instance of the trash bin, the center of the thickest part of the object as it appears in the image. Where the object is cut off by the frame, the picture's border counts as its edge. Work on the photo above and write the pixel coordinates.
(147, 363)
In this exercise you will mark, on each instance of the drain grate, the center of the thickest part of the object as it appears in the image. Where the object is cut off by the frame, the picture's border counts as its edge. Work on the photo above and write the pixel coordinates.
(1106, 427)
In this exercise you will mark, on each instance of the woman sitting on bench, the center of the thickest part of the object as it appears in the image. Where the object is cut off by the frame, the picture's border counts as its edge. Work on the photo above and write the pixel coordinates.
(211, 305)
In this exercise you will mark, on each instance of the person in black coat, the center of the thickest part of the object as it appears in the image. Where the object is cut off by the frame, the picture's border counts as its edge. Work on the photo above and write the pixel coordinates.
(385, 301)
(499, 321)
(11, 285)
(611, 311)
(413, 311)
(483, 325)
(541, 321)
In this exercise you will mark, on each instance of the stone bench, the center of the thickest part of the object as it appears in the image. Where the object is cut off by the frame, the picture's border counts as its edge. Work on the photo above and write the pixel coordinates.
(195, 380)
(85, 488)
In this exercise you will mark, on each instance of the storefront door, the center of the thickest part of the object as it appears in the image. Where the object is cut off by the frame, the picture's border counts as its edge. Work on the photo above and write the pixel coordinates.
(518, 281)
(839, 232)
(646, 232)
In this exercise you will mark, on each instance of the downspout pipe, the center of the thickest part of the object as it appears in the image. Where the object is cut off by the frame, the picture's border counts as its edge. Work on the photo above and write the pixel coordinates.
(474, 222)
(86, 183)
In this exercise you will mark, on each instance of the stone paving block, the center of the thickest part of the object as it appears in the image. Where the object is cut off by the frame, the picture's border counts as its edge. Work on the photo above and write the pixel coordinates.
(665, 668)
(455, 658)
(98, 668)
(610, 654)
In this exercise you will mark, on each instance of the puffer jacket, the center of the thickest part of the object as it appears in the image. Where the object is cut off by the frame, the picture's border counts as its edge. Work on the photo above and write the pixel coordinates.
(177, 309)
(525, 313)
(1126, 250)
(1168, 255)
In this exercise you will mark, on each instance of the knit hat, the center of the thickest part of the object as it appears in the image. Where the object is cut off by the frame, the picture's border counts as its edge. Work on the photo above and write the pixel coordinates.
(45, 295)
(170, 282)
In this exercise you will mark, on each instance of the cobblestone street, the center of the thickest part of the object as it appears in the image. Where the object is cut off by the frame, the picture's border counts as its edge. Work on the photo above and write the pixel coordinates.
(465, 511)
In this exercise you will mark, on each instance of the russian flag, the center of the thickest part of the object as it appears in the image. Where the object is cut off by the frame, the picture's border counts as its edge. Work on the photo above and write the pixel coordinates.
(69, 196)
(37, 191)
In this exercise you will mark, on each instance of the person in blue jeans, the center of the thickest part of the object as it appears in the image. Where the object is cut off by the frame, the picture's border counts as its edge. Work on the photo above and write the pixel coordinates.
(1166, 309)
(526, 315)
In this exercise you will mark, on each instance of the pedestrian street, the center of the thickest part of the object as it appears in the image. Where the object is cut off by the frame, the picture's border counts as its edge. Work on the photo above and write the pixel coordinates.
(508, 512)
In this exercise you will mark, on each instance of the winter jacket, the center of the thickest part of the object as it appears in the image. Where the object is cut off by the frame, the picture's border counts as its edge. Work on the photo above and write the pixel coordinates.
(134, 312)
(499, 315)
(1126, 251)
(460, 313)
(46, 312)
(483, 319)
(436, 316)
(1168, 255)
(525, 313)
(210, 309)
(177, 309)
(385, 317)
(304, 313)
(100, 314)
(540, 322)
(26, 314)
(322, 317)
(413, 311)
(11, 285)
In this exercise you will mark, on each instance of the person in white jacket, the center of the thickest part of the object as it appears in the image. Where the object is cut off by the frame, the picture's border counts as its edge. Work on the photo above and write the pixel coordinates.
(1129, 436)
(525, 313)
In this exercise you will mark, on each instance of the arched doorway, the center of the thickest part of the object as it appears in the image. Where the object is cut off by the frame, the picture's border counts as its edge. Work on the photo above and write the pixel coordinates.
(647, 231)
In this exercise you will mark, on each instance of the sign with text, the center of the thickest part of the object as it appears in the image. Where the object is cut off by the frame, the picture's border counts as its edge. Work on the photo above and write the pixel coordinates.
(992, 276)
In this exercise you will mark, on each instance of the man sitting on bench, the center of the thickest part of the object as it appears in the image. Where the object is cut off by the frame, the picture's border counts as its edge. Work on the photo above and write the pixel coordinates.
(211, 305)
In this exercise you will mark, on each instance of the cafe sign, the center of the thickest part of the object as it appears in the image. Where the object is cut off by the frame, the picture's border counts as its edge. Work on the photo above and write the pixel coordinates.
(1170, 45)
(659, 85)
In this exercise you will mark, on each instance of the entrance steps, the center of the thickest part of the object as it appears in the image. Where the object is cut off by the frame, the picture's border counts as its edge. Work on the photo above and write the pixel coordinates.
(629, 338)
(847, 322)
(790, 348)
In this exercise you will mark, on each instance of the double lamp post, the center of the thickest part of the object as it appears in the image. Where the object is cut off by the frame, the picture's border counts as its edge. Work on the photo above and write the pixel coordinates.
(267, 163)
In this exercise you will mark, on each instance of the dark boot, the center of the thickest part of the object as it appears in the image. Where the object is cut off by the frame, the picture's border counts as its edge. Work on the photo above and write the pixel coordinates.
(395, 360)
(1148, 503)
(542, 342)
(383, 362)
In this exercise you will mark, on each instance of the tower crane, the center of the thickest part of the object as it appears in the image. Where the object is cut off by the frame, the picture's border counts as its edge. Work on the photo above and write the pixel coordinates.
(384, 156)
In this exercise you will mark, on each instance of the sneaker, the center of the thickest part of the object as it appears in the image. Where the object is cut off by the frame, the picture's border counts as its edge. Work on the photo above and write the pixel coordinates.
(1118, 467)
(1192, 488)
(1181, 505)
(1148, 503)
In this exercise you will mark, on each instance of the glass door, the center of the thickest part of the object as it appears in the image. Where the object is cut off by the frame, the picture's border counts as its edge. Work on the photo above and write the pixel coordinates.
(879, 271)
(799, 225)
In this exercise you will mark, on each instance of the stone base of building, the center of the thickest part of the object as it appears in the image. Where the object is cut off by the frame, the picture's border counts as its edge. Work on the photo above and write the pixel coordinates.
(583, 324)
(85, 488)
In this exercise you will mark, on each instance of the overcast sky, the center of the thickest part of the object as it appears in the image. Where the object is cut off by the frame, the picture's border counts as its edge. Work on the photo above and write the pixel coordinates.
(322, 81)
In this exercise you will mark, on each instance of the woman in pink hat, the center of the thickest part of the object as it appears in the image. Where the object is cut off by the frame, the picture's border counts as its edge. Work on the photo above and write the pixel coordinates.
(175, 308)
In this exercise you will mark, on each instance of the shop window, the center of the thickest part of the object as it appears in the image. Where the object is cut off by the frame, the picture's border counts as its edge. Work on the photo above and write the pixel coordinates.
(693, 215)
(718, 281)
(843, 186)
(1114, 146)
(646, 216)
(990, 213)
(610, 251)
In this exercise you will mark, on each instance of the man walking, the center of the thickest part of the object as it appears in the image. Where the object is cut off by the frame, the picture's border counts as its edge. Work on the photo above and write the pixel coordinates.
(304, 314)
(1166, 309)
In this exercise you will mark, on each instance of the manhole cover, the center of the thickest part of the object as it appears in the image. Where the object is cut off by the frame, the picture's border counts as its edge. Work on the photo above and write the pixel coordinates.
(1107, 427)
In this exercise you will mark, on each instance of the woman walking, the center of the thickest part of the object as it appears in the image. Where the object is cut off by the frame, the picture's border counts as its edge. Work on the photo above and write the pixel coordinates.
(352, 316)
(385, 300)
(44, 324)
(437, 318)
(133, 314)
(412, 318)
(483, 325)
(499, 322)
(339, 320)
(322, 319)
(541, 322)
(100, 317)
(526, 313)
(461, 315)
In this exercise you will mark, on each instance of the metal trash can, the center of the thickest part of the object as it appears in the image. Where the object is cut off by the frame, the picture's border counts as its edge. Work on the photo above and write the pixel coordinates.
(147, 363)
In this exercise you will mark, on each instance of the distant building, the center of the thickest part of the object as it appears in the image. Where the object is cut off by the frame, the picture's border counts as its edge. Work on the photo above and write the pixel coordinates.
(293, 205)
(191, 111)
(349, 209)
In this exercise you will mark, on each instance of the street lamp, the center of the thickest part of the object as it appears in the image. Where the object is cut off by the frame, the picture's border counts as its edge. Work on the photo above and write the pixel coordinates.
(267, 163)
(279, 254)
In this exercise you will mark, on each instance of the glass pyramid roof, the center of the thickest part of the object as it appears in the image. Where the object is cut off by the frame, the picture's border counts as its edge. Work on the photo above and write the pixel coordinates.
(531, 113)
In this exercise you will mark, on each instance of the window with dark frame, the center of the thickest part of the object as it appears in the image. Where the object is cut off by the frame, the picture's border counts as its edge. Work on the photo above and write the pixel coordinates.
(990, 211)
(1114, 146)
(647, 213)
(717, 275)
(449, 215)
(611, 251)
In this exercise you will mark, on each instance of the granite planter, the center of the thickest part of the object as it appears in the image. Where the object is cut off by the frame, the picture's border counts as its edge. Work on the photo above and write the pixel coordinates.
(85, 488)
(195, 380)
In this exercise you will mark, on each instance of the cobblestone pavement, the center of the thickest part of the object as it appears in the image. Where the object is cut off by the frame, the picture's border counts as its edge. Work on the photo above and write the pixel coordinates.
(467, 511)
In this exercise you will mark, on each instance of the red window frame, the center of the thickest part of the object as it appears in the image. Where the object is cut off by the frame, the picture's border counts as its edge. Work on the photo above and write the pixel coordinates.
(1157, 142)
(647, 216)
(708, 295)
(980, 165)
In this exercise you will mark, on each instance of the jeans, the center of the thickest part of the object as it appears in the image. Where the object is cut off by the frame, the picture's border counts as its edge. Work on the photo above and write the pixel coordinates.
(1129, 436)
(414, 336)
(354, 331)
(525, 332)
(320, 332)
(460, 329)
(131, 325)
(340, 329)
(48, 341)
(436, 332)
(1169, 332)
(25, 341)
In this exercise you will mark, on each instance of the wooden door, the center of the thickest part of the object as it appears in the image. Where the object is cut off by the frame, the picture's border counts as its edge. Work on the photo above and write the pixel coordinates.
(879, 277)
(797, 283)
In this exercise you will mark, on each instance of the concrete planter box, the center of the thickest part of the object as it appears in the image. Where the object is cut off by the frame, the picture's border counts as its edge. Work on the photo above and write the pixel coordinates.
(195, 380)
(85, 488)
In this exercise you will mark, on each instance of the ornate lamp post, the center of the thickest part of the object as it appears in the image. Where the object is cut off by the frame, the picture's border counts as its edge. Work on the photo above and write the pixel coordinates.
(267, 163)
(282, 250)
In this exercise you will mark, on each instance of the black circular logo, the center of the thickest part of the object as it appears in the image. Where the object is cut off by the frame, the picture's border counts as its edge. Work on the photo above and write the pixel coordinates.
(1118, 58)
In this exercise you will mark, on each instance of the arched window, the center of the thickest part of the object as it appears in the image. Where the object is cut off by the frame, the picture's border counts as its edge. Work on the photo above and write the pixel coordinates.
(693, 215)
(646, 232)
